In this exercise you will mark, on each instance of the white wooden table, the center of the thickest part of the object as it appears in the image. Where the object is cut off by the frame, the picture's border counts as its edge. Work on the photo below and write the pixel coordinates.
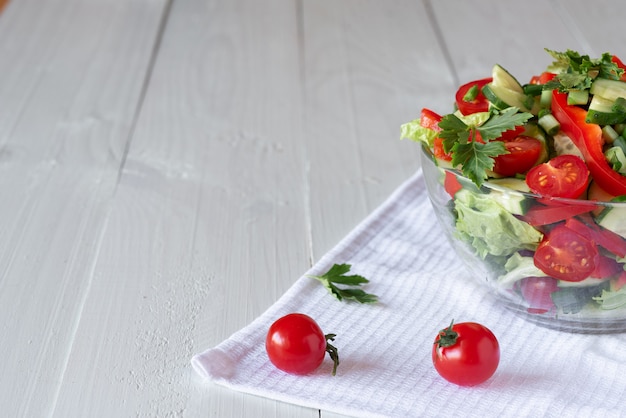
(168, 168)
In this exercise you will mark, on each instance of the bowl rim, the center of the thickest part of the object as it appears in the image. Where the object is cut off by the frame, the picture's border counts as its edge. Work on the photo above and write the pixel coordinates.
(427, 152)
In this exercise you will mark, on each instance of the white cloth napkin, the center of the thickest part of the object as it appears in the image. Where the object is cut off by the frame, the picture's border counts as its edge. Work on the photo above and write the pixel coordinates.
(385, 365)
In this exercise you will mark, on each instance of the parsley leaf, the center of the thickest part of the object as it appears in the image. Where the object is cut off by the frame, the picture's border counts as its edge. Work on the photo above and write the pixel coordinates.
(504, 121)
(577, 72)
(477, 156)
(337, 275)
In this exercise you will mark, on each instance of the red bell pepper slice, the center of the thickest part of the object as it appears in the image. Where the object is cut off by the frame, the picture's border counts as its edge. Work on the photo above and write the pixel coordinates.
(451, 184)
(539, 215)
(588, 138)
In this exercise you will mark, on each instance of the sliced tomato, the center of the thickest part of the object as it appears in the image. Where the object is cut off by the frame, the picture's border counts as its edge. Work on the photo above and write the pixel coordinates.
(539, 215)
(588, 138)
(512, 133)
(451, 184)
(609, 240)
(606, 267)
(478, 103)
(562, 176)
(523, 152)
(566, 255)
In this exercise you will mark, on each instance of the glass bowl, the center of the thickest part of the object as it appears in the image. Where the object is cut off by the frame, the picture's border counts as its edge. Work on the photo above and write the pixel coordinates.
(558, 263)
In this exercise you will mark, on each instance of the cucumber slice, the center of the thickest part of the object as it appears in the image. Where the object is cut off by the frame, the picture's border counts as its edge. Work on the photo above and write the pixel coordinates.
(577, 97)
(601, 112)
(509, 183)
(614, 218)
(493, 98)
(503, 97)
(505, 192)
(549, 123)
(609, 134)
(616, 157)
(609, 89)
(564, 145)
(532, 129)
(502, 78)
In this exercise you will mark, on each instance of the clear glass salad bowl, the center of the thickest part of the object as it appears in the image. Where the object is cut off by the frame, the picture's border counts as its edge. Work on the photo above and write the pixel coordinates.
(499, 233)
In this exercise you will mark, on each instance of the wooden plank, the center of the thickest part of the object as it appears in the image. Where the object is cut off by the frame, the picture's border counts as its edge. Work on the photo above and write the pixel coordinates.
(594, 28)
(72, 74)
(512, 34)
(363, 79)
(207, 229)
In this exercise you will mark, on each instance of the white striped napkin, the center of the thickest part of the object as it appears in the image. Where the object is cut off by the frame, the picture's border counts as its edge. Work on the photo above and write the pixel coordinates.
(386, 369)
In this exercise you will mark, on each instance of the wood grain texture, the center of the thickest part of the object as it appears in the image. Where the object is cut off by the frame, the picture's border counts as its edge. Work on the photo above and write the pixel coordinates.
(207, 229)
(72, 75)
(358, 91)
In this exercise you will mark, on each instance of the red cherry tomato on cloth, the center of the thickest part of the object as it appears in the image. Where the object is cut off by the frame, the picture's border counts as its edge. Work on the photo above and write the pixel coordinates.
(477, 102)
(466, 353)
(562, 176)
(523, 152)
(296, 344)
(588, 139)
(566, 255)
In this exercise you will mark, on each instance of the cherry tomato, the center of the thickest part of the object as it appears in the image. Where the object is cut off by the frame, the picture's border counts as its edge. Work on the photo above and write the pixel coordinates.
(537, 291)
(523, 152)
(296, 344)
(512, 133)
(478, 103)
(588, 228)
(566, 255)
(562, 176)
(466, 353)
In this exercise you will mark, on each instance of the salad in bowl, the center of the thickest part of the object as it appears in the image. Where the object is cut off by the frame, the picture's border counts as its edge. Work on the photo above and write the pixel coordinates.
(528, 181)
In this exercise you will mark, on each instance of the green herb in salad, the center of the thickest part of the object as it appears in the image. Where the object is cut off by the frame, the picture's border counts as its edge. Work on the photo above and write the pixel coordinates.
(577, 72)
(471, 143)
(562, 135)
